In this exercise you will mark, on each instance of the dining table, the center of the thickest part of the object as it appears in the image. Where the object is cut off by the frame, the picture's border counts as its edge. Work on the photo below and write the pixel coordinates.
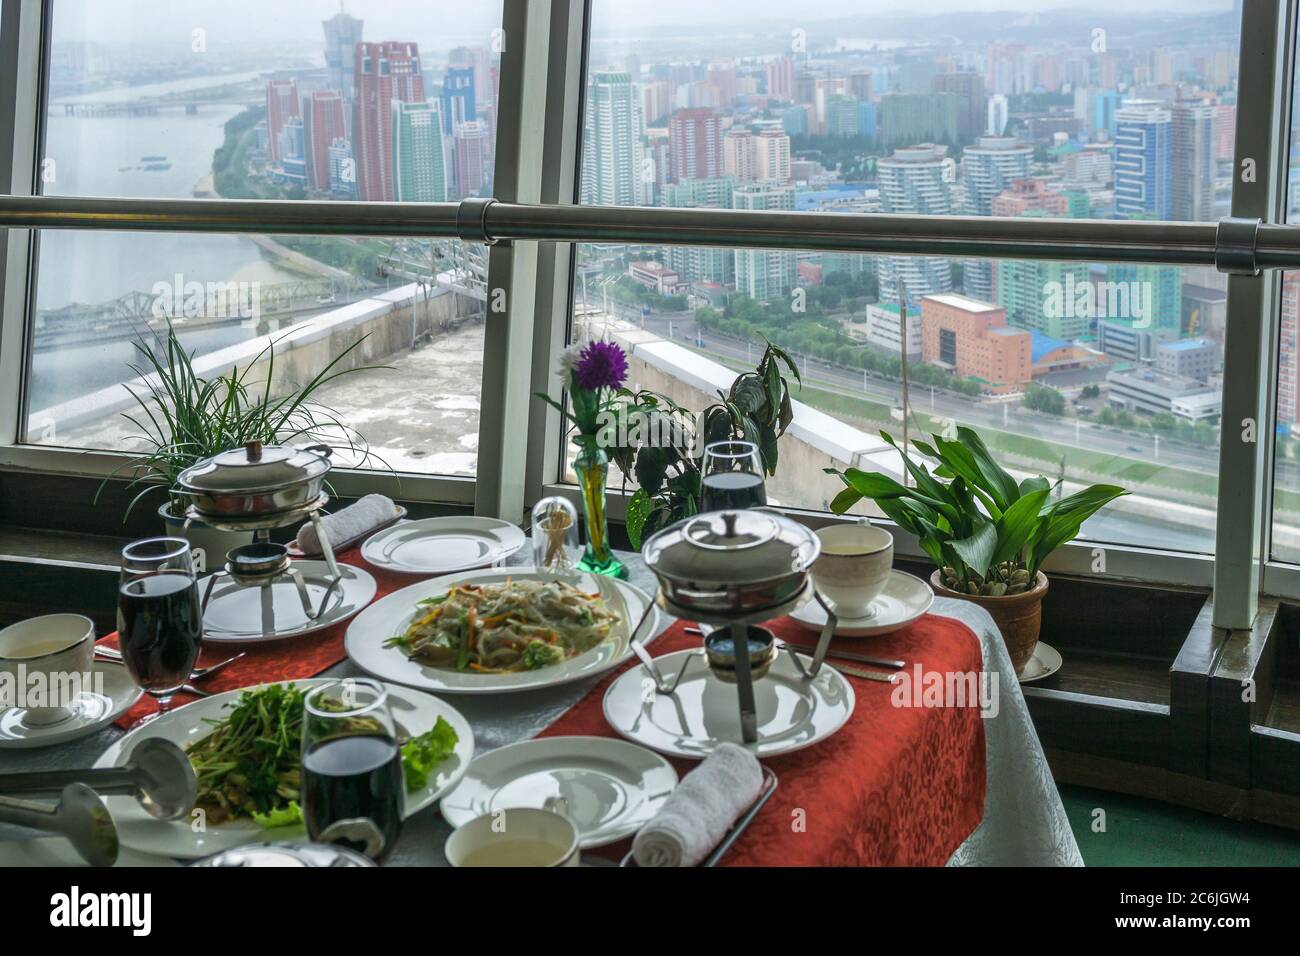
(978, 795)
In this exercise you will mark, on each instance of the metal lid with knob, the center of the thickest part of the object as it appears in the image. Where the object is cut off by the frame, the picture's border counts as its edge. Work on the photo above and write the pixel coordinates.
(732, 548)
(286, 854)
(257, 468)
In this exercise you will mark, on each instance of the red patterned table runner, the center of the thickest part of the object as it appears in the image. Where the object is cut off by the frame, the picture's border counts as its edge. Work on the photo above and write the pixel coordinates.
(897, 786)
(295, 659)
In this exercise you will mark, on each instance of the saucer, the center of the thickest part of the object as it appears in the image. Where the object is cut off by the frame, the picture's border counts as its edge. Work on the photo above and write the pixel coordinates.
(904, 598)
(91, 711)
(1045, 662)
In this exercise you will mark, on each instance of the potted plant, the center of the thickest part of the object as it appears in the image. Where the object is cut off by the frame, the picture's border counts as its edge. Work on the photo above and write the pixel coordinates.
(756, 408)
(987, 534)
(183, 419)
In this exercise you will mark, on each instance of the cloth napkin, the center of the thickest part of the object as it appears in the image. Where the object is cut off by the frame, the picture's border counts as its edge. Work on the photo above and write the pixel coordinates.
(696, 815)
(348, 524)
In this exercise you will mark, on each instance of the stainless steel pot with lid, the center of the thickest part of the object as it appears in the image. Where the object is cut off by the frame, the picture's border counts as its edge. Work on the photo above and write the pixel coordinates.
(722, 565)
(256, 480)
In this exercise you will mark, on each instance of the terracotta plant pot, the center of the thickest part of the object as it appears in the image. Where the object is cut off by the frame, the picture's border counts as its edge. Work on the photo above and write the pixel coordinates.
(1018, 616)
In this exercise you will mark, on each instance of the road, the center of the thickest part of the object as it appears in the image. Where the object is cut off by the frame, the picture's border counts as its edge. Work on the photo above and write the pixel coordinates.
(933, 403)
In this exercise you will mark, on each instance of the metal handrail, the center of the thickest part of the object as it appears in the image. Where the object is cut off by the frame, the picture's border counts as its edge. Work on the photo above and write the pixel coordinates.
(1232, 245)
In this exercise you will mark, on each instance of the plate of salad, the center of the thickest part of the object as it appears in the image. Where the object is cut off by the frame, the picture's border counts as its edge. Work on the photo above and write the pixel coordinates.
(500, 630)
(245, 746)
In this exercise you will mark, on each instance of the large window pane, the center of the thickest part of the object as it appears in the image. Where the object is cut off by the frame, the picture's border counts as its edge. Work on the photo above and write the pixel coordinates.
(385, 101)
(1085, 372)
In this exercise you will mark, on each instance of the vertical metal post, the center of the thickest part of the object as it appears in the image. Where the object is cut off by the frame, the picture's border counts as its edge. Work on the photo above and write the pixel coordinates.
(561, 167)
(22, 23)
(1259, 165)
(512, 267)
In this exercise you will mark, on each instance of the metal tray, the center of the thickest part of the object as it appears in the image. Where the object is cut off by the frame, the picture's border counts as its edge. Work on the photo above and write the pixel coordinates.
(737, 828)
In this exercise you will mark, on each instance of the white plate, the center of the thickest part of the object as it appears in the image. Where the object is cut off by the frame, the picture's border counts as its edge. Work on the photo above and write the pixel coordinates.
(92, 711)
(904, 598)
(56, 851)
(413, 712)
(703, 712)
(612, 787)
(235, 613)
(389, 617)
(1045, 662)
(442, 545)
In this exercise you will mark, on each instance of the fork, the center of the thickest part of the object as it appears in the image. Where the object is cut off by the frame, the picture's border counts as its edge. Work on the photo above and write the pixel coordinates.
(115, 655)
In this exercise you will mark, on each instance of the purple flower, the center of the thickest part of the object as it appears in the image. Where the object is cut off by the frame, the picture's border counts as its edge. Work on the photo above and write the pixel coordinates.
(601, 365)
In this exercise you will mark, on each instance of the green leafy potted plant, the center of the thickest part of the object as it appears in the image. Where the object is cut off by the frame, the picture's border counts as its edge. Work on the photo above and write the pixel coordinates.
(183, 419)
(987, 534)
(756, 409)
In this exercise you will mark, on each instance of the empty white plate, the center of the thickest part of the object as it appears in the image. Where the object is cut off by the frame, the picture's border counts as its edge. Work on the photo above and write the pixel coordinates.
(1046, 661)
(110, 695)
(239, 614)
(703, 712)
(612, 787)
(442, 545)
(904, 598)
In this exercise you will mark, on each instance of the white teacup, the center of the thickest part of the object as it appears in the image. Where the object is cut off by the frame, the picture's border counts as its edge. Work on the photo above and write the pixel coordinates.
(519, 836)
(55, 646)
(853, 567)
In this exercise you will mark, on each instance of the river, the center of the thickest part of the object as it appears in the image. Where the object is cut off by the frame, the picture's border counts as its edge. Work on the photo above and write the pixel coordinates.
(102, 156)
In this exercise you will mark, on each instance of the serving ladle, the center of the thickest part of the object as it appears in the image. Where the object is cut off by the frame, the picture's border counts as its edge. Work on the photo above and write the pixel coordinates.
(79, 816)
(159, 775)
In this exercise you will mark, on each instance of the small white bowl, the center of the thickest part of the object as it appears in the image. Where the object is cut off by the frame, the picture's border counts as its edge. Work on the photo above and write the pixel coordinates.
(519, 836)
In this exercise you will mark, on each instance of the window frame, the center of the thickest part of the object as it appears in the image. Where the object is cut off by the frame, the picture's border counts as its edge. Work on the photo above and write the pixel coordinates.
(521, 447)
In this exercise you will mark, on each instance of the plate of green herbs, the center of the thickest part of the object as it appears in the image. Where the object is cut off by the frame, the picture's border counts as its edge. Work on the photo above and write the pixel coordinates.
(245, 746)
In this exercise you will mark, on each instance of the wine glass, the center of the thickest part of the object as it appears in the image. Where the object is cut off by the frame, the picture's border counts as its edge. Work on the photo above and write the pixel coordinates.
(159, 621)
(731, 477)
(352, 785)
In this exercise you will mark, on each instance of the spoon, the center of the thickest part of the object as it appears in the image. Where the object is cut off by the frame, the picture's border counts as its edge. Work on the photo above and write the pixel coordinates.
(159, 775)
(79, 816)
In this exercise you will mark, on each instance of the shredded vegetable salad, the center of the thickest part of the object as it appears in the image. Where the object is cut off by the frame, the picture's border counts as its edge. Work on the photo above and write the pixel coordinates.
(505, 628)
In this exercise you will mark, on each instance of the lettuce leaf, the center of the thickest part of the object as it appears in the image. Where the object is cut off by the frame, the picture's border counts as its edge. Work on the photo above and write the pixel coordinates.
(283, 817)
(422, 754)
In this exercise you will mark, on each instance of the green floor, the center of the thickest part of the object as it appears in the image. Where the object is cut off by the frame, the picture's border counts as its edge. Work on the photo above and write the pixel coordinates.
(1149, 833)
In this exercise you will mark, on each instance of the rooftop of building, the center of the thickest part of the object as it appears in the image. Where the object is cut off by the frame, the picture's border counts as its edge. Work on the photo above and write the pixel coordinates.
(1041, 345)
(1184, 345)
(958, 301)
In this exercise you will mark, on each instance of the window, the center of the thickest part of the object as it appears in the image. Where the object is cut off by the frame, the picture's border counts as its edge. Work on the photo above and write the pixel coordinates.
(1081, 371)
(383, 102)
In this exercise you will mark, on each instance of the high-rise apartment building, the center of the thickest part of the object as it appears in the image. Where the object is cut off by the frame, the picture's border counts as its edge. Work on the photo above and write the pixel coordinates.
(968, 87)
(459, 99)
(324, 121)
(281, 106)
(473, 158)
(780, 79)
(740, 154)
(909, 118)
(764, 274)
(1143, 160)
(912, 182)
(997, 115)
(419, 156)
(612, 152)
(987, 170)
(385, 72)
(1194, 161)
(695, 142)
(342, 170)
(712, 266)
(772, 155)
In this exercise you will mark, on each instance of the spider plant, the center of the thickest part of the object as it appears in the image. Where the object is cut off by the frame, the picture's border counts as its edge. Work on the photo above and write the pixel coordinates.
(183, 418)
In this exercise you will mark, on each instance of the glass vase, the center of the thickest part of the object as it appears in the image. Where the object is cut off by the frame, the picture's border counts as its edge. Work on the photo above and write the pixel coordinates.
(592, 468)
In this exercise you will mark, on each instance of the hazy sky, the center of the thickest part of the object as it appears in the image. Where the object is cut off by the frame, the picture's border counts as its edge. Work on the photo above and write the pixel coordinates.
(117, 21)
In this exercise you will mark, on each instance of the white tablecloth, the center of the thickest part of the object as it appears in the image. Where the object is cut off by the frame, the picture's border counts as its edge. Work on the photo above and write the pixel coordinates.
(1024, 821)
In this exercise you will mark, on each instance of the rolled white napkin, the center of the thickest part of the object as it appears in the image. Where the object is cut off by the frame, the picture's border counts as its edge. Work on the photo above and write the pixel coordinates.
(348, 523)
(696, 816)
